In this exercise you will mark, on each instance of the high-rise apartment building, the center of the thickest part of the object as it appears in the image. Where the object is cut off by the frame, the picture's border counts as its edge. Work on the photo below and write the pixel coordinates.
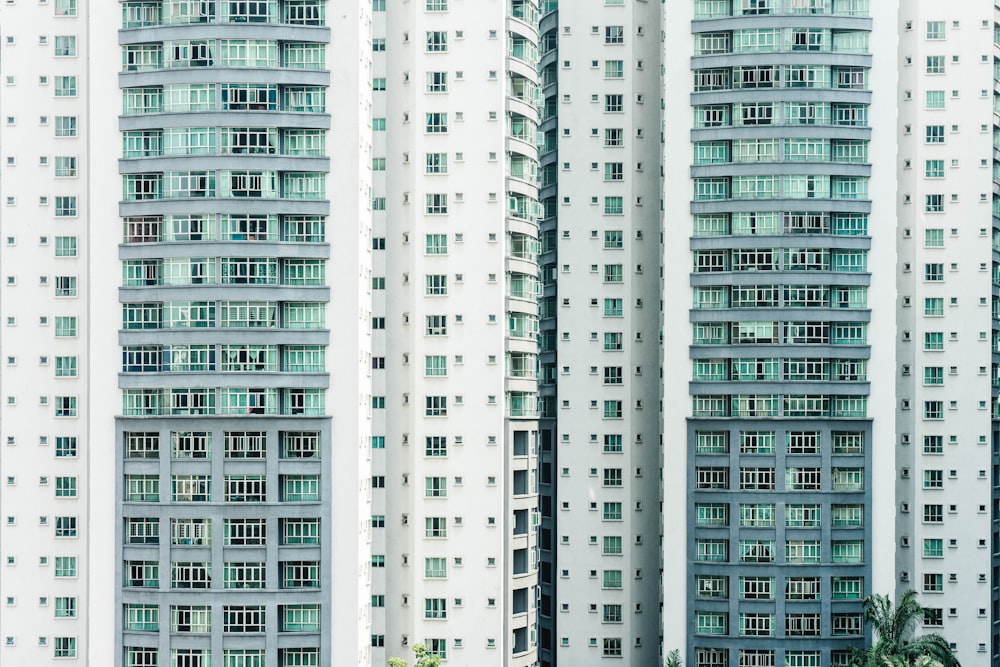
(207, 433)
(46, 465)
(538, 334)
(947, 318)
(457, 259)
(600, 269)
(778, 143)
(228, 460)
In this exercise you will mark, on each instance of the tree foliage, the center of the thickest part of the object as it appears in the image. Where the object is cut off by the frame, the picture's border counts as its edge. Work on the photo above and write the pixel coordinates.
(895, 642)
(422, 657)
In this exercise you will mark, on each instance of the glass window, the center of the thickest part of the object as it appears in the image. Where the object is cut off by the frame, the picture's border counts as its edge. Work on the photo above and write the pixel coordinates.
(65, 7)
(437, 41)
(299, 55)
(65, 86)
(305, 12)
(300, 618)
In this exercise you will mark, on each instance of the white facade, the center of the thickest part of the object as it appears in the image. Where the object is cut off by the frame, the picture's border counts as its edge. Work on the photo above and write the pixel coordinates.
(479, 204)
(601, 148)
(46, 192)
(66, 604)
(458, 546)
(946, 275)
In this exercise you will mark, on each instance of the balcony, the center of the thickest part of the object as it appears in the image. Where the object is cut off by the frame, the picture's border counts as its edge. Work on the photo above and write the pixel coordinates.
(710, 9)
(524, 10)
(190, 402)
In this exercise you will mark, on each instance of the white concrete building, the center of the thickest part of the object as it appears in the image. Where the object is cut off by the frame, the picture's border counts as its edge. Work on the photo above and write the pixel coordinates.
(460, 320)
(600, 352)
(947, 316)
(539, 334)
(46, 192)
(208, 434)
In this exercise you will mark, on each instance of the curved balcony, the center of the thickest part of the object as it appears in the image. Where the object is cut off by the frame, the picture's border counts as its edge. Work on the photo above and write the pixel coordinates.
(547, 78)
(835, 171)
(250, 145)
(548, 49)
(809, 406)
(833, 96)
(522, 268)
(522, 308)
(523, 48)
(176, 372)
(211, 184)
(231, 97)
(548, 115)
(800, 10)
(523, 128)
(239, 192)
(521, 189)
(219, 76)
(522, 326)
(198, 206)
(525, 12)
(216, 51)
(258, 279)
(523, 89)
(522, 168)
(523, 286)
(289, 336)
(791, 60)
(520, 68)
(202, 31)
(526, 209)
(522, 385)
(522, 366)
(201, 316)
(523, 247)
(265, 274)
(522, 108)
(521, 405)
(214, 401)
(767, 80)
(784, 260)
(798, 228)
(143, 14)
(207, 162)
(818, 205)
(795, 115)
(209, 228)
(805, 37)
